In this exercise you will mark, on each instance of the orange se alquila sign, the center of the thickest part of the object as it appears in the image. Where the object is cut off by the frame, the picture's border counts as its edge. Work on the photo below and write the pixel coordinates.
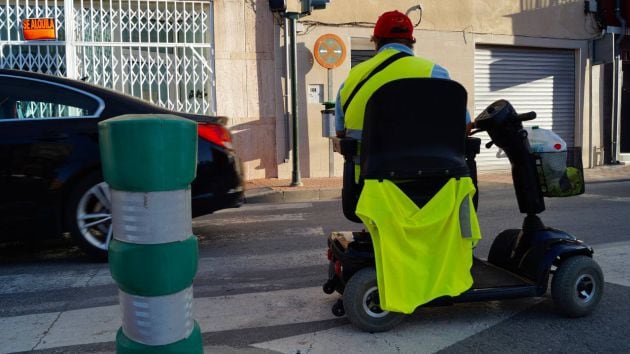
(39, 28)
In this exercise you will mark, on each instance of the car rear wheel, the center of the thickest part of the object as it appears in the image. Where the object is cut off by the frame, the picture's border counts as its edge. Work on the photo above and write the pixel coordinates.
(89, 217)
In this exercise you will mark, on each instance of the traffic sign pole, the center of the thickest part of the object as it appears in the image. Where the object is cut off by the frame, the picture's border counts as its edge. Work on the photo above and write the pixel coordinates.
(295, 175)
(330, 52)
(331, 153)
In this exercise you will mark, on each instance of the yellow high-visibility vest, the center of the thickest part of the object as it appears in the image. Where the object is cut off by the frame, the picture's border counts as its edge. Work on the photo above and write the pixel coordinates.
(420, 254)
(404, 68)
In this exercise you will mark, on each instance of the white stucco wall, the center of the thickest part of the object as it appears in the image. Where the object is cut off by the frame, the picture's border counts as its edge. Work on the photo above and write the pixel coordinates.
(250, 64)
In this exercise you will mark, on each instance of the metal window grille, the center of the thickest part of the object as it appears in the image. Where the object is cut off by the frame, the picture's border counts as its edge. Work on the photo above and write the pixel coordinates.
(157, 50)
(47, 57)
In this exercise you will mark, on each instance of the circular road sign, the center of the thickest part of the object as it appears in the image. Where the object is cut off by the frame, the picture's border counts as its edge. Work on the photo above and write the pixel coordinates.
(330, 51)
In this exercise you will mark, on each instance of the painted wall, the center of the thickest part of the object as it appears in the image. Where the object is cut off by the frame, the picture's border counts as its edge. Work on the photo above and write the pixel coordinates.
(246, 82)
(250, 63)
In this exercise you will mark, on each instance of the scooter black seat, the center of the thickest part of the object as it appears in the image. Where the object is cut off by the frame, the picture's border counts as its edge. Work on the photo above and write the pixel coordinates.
(415, 128)
(414, 133)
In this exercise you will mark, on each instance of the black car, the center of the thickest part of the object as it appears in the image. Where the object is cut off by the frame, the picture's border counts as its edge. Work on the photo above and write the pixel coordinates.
(50, 171)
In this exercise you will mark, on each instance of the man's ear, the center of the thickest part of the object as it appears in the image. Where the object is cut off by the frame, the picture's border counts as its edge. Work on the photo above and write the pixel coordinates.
(377, 44)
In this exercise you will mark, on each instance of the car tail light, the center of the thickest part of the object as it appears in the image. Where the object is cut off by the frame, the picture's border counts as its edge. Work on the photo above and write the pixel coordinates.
(216, 134)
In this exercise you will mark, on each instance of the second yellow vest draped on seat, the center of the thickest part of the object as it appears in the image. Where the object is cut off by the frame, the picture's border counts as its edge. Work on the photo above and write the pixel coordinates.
(421, 254)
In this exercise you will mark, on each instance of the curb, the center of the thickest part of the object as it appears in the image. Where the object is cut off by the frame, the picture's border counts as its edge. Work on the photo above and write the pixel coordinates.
(293, 196)
(270, 195)
(309, 195)
(319, 189)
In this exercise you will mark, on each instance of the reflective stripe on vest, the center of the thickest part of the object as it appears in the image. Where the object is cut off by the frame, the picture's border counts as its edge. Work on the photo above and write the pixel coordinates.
(405, 68)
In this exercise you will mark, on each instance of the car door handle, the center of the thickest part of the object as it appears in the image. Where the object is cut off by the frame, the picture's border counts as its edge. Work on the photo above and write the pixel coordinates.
(54, 137)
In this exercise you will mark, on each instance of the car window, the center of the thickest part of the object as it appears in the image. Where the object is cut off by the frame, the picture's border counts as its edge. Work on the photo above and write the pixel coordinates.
(34, 109)
(26, 98)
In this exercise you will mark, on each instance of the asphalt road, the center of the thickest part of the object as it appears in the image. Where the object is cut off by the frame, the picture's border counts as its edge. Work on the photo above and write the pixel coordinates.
(258, 288)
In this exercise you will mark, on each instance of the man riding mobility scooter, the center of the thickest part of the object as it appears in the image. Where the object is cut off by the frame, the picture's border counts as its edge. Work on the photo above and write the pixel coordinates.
(420, 152)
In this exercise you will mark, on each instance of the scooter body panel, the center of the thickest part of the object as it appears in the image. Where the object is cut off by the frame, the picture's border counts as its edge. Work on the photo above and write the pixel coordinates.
(536, 252)
(534, 255)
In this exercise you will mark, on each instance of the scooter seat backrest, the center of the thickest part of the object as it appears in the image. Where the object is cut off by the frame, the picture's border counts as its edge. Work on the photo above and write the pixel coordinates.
(415, 128)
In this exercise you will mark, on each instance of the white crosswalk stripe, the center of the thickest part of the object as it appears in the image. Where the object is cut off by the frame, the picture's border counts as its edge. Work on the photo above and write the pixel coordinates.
(262, 207)
(37, 282)
(249, 220)
(31, 283)
(428, 330)
(99, 324)
(606, 198)
(614, 259)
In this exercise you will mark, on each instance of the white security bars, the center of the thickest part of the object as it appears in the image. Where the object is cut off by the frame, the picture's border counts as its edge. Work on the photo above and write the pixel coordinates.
(42, 56)
(157, 50)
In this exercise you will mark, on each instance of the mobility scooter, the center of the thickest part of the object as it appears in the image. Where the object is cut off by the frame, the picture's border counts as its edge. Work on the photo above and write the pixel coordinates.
(414, 131)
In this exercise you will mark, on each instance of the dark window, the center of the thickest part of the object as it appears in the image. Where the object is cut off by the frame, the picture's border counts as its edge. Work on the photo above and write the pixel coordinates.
(24, 98)
(359, 56)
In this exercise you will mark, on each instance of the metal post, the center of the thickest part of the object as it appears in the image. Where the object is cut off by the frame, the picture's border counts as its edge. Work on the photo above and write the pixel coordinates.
(615, 103)
(617, 113)
(153, 256)
(287, 96)
(70, 45)
(331, 154)
(295, 175)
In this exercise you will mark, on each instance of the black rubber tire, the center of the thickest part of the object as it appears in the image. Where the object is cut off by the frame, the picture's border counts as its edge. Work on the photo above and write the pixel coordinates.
(338, 309)
(353, 299)
(70, 216)
(328, 287)
(577, 286)
(501, 248)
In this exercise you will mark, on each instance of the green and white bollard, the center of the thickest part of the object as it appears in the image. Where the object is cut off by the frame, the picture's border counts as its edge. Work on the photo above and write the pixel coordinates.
(149, 162)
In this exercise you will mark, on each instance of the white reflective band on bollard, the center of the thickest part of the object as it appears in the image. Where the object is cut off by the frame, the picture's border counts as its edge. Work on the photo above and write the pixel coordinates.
(151, 217)
(157, 320)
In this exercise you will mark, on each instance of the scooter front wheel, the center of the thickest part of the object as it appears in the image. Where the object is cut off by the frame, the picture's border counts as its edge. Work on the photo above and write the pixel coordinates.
(577, 286)
(362, 304)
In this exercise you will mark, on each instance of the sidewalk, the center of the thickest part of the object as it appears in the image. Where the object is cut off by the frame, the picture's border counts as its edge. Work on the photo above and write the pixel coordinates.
(275, 190)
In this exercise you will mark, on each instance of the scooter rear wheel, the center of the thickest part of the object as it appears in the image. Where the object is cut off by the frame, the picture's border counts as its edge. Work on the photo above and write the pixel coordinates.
(362, 304)
(577, 286)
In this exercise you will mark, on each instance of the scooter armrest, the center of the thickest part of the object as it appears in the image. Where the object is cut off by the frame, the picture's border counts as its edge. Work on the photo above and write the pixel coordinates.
(348, 147)
(473, 147)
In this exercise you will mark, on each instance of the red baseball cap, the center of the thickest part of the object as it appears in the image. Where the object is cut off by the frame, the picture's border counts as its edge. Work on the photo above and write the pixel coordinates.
(394, 24)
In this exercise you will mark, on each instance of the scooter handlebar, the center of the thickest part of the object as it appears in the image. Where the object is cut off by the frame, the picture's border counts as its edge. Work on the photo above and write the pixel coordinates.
(527, 116)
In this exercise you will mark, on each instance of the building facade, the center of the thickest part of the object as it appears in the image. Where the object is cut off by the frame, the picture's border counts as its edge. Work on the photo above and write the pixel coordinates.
(228, 57)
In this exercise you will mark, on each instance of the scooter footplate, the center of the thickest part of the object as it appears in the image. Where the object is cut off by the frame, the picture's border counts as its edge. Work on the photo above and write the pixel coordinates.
(486, 275)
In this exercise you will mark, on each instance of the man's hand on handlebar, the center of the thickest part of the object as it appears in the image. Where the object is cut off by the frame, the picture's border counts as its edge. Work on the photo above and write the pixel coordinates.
(469, 127)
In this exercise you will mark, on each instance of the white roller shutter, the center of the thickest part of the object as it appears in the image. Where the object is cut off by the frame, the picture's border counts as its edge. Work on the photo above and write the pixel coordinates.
(540, 80)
